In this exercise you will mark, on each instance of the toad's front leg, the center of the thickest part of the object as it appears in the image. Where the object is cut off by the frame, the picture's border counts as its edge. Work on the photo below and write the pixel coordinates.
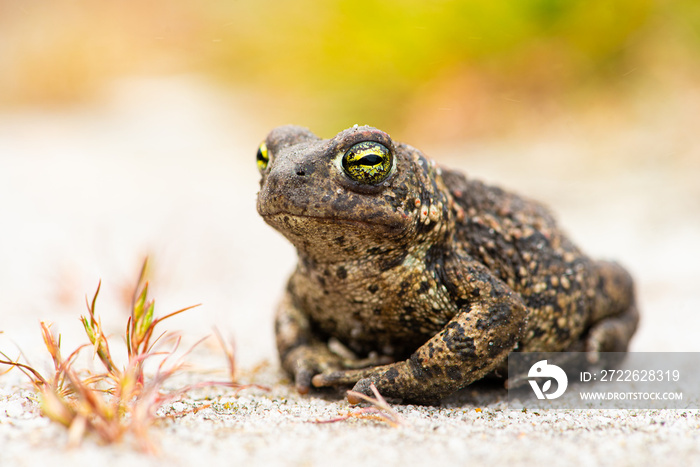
(487, 327)
(302, 355)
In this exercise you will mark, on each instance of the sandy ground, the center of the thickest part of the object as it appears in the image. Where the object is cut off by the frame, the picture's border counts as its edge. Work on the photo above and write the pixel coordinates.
(165, 168)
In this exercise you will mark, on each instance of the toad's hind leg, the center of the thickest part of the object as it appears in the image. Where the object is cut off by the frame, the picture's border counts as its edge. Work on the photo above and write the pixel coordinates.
(615, 316)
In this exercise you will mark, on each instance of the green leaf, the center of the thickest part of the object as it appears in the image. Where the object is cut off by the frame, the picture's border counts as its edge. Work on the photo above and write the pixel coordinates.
(147, 319)
(140, 303)
(88, 329)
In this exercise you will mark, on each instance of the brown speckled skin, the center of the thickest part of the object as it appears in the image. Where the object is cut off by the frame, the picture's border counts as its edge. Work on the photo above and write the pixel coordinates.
(442, 275)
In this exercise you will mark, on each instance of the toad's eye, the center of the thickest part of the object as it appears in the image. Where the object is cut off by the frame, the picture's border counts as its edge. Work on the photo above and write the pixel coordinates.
(263, 157)
(368, 162)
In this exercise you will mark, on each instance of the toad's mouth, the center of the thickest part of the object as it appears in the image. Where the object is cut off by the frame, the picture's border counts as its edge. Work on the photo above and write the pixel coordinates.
(286, 221)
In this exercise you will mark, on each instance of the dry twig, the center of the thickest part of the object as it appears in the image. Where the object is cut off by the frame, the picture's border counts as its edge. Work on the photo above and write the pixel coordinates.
(379, 410)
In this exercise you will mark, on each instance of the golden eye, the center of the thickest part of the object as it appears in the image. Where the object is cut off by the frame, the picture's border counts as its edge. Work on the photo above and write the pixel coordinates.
(263, 157)
(368, 162)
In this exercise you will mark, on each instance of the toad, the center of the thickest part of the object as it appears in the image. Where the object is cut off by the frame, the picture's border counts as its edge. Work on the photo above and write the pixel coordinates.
(421, 279)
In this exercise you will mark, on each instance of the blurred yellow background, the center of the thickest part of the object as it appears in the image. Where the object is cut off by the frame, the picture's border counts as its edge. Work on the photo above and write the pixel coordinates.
(441, 69)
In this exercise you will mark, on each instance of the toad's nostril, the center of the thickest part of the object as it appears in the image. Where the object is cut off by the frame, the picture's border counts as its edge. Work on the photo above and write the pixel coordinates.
(303, 169)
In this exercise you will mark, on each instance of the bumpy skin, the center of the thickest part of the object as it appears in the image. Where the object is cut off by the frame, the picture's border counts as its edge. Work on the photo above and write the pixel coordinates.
(441, 275)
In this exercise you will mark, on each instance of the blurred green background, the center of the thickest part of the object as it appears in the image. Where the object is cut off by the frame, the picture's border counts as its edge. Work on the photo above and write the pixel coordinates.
(444, 69)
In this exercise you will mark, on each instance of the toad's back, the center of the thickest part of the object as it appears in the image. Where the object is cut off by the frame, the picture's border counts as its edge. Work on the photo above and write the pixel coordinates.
(519, 241)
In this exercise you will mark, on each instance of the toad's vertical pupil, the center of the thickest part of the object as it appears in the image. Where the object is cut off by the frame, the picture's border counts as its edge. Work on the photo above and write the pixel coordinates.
(370, 159)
